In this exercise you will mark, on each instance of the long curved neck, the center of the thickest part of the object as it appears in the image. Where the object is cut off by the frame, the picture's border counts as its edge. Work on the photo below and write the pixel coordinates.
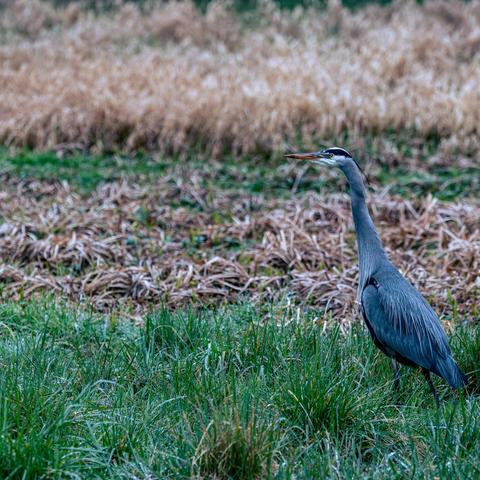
(370, 247)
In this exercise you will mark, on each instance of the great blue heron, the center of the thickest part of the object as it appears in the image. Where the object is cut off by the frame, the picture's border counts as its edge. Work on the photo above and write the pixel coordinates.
(401, 322)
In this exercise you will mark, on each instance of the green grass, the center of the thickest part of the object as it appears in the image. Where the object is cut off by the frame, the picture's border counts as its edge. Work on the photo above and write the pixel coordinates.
(228, 393)
(247, 5)
(270, 177)
(445, 183)
(84, 172)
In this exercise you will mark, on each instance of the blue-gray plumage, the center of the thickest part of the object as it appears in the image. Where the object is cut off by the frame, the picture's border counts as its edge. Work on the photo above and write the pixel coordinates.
(401, 322)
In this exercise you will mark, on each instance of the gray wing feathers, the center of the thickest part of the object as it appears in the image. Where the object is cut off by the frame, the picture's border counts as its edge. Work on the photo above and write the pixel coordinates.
(449, 370)
(405, 323)
(392, 331)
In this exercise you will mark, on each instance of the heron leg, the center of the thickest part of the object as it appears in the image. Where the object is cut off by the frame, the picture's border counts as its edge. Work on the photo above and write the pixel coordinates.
(426, 373)
(396, 375)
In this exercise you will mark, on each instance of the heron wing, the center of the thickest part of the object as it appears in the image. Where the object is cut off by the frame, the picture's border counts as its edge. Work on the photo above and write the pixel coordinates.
(402, 320)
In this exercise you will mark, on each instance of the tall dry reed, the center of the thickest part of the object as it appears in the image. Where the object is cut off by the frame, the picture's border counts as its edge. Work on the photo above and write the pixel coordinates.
(168, 77)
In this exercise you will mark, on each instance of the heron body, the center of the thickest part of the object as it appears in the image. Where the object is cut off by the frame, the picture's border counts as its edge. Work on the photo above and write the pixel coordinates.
(401, 322)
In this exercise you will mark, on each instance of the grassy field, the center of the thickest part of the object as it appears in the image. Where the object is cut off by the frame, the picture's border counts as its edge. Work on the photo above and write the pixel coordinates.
(235, 392)
(408, 172)
(185, 340)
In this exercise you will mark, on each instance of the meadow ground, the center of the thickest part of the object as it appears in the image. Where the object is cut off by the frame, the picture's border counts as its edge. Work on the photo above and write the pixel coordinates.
(172, 319)
(236, 392)
(176, 231)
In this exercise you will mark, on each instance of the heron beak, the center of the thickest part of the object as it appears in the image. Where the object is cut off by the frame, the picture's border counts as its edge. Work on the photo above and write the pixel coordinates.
(320, 158)
(306, 156)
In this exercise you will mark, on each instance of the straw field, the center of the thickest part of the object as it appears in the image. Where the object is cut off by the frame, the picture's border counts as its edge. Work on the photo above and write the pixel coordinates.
(176, 242)
(167, 77)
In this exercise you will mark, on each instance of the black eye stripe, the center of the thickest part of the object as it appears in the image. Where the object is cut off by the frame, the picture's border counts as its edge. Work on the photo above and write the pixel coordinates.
(338, 151)
(342, 151)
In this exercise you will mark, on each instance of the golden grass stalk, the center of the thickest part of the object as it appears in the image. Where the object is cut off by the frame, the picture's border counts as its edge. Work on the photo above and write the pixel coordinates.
(169, 78)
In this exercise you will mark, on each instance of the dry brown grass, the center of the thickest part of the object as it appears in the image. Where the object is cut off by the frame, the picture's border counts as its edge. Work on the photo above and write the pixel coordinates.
(125, 245)
(171, 78)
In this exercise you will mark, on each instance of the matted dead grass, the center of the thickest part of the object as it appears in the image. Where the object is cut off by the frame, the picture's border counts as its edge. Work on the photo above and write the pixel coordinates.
(169, 78)
(126, 246)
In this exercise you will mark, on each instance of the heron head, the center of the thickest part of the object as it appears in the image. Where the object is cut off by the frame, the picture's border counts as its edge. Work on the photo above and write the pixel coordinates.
(331, 157)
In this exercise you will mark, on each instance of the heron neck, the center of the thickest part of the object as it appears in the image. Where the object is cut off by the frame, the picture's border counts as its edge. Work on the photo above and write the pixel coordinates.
(370, 247)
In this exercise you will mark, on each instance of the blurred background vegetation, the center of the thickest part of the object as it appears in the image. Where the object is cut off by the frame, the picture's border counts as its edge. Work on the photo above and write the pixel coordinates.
(239, 5)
